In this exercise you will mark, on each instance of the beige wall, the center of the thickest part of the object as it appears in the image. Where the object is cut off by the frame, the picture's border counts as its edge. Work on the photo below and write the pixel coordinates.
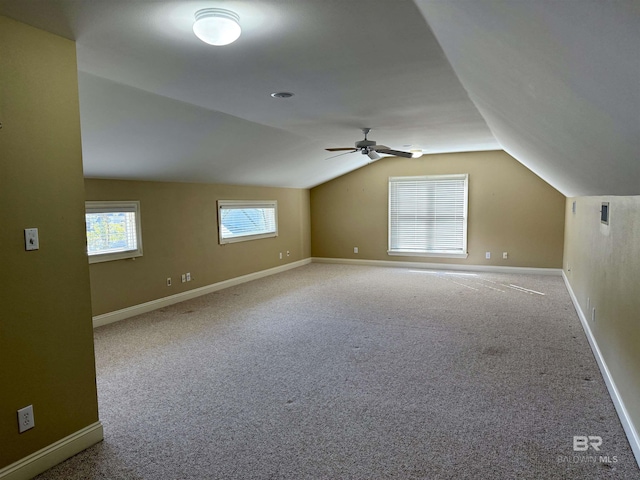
(46, 340)
(602, 264)
(179, 235)
(510, 210)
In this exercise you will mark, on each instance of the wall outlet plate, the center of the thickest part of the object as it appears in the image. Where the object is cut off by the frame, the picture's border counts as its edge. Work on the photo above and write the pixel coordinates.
(487, 255)
(25, 419)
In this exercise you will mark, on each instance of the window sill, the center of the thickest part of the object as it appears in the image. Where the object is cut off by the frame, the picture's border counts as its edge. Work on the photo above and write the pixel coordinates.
(246, 238)
(427, 254)
(108, 257)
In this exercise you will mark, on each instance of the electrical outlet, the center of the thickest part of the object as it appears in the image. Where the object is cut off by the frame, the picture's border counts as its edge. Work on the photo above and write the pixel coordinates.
(168, 281)
(188, 277)
(355, 249)
(487, 255)
(505, 255)
(25, 419)
(288, 253)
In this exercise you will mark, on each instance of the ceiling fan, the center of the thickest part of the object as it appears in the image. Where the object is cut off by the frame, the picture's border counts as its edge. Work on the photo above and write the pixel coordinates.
(370, 148)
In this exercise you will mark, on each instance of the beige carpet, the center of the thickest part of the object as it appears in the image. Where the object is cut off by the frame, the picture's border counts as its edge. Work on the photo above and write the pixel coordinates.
(345, 372)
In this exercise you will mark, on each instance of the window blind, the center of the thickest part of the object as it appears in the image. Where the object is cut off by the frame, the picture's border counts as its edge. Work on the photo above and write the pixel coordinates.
(113, 230)
(428, 215)
(247, 220)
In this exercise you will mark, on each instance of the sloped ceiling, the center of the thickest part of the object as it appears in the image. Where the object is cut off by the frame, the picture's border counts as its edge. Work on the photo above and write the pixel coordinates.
(558, 83)
(554, 83)
(158, 104)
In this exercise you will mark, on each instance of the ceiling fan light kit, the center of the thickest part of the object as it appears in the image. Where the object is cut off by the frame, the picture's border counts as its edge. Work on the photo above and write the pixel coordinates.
(217, 26)
(373, 155)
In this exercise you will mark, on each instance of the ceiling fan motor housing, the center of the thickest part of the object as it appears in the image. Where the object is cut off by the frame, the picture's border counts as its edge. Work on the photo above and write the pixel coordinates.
(365, 143)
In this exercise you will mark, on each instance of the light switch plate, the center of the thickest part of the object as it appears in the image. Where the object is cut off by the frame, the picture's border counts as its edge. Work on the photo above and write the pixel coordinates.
(31, 241)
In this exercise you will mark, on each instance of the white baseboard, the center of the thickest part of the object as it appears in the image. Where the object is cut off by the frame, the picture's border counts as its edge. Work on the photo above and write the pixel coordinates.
(441, 266)
(625, 419)
(54, 454)
(134, 310)
(128, 312)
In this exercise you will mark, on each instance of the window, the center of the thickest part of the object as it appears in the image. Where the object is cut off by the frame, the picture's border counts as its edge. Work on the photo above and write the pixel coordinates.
(241, 220)
(428, 216)
(113, 230)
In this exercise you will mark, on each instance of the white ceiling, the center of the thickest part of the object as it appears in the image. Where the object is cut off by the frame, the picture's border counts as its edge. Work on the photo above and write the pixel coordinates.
(158, 104)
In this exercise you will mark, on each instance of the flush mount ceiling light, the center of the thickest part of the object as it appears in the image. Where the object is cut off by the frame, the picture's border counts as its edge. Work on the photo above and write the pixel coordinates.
(416, 153)
(217, 26)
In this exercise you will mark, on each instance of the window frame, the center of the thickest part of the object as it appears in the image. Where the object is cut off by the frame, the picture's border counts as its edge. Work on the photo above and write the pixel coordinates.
(463, 253)
(109, 206)
(239, 205)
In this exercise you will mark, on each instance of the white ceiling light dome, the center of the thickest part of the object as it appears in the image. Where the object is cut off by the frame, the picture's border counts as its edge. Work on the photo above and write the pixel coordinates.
(217, 26)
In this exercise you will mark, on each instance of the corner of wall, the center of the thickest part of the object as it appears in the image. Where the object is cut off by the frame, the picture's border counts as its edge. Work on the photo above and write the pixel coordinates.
(46, 337)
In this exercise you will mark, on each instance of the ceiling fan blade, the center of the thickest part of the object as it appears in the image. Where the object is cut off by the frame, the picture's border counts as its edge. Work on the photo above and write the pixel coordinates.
(396, 153)
(338, 149)
(345, 153)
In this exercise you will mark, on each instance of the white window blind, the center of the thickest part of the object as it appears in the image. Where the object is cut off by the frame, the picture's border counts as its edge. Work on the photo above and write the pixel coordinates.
(240, 220)
(428, 215)
(113, 230)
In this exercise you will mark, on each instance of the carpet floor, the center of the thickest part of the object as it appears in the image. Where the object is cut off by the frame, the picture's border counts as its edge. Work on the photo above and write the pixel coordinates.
(352, 372)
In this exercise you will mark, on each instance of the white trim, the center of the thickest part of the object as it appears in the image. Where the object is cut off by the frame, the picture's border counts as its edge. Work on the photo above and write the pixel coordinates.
(128, 312)
(399, 253)
(625, 419)
(44, 459)
(441, 266)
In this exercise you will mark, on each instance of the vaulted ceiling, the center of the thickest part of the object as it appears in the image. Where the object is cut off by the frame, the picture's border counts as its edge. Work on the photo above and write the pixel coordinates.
(555, 84)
